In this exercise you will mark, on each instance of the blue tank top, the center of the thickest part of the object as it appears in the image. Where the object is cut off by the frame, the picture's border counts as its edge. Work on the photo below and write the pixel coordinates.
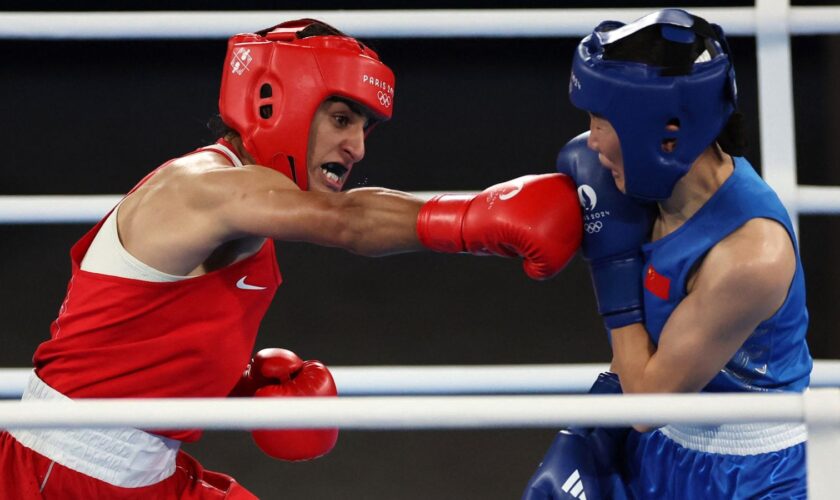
(775, 356)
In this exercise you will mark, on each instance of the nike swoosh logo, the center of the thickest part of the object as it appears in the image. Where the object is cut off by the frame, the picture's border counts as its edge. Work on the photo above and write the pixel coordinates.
(245, 286)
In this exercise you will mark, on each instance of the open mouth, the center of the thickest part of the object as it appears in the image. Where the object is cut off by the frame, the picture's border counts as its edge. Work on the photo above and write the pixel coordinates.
(334, 172)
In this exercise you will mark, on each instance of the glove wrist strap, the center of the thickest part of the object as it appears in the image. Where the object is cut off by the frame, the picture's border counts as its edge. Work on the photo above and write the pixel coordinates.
(618, 289)
(439, 223)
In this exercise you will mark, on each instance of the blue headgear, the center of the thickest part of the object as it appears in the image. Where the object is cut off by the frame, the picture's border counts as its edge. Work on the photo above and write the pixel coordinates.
(640, 100)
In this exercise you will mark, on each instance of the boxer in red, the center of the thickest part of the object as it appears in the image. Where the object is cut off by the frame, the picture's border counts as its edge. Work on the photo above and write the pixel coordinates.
(168, 290)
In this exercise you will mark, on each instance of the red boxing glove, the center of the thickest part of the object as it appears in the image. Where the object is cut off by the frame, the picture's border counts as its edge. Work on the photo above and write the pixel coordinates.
(281, 373)
(536, 217)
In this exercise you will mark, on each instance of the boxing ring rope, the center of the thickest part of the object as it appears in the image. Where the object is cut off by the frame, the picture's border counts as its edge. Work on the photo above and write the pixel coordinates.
(457, 379)
(395, 23)
(818, 408)
(74, 209)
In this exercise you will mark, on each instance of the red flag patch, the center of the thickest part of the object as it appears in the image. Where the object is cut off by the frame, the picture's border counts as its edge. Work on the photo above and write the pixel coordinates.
(657, 284)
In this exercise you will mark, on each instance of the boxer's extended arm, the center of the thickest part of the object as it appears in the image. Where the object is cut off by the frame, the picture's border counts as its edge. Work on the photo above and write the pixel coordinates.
(254, 201)
(742, 281)
(189, 209)
(186, 215)
(535, 217)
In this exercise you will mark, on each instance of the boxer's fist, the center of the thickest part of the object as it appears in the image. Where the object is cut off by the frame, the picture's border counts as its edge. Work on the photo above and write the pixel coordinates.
(269, 366)
(582, 460)
(281, 373)
(535, 217)
(615, 227)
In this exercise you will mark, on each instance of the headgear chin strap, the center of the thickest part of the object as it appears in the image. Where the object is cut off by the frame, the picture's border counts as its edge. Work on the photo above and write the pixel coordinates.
(273, 83)
(640, 100)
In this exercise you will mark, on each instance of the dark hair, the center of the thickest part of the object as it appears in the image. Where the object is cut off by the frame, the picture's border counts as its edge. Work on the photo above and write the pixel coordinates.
(218, 128)
(648, 46)
(315, 28)
(733, 138)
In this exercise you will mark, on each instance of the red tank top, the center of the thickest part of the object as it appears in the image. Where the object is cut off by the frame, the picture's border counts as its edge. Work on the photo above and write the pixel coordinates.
(123, 338)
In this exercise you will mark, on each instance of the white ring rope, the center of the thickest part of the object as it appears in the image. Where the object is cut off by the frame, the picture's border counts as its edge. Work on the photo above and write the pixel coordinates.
(817, 407)
(455, 379)
(739, 21)
(73, 209)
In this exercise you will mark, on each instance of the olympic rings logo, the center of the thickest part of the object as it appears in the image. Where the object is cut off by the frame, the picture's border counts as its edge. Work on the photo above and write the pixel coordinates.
(593, 227)
(384, 99)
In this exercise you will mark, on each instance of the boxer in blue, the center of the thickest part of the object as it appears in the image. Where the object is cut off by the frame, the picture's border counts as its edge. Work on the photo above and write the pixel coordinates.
(695, 267)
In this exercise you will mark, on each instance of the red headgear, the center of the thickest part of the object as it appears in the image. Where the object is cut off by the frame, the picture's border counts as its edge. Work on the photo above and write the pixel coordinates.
(272, 84)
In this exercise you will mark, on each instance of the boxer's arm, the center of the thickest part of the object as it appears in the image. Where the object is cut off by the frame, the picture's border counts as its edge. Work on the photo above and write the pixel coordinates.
(190, 208)
(536, 217)
(255, 201)
(742, 281)
(182, 220)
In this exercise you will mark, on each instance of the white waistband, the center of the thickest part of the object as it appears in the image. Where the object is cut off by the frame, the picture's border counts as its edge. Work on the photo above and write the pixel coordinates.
(124, 457)
(737, 439)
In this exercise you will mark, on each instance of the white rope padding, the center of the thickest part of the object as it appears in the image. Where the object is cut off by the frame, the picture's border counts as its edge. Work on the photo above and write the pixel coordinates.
(58, 209)
(739, 21)
(817, 407)
(817, 199)
(74, 209)
(457, 379)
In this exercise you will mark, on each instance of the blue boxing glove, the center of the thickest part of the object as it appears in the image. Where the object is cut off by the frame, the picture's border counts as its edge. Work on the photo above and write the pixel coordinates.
(615, 227)
(566, 472)
(583, 462)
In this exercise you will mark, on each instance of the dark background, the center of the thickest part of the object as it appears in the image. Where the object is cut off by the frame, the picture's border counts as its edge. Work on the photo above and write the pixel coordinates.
(92, 117)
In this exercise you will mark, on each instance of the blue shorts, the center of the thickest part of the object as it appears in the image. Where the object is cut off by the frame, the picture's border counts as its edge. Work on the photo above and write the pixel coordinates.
(717, 462)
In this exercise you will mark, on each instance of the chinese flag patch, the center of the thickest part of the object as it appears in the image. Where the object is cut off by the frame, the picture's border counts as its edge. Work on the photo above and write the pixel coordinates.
(657, 284)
